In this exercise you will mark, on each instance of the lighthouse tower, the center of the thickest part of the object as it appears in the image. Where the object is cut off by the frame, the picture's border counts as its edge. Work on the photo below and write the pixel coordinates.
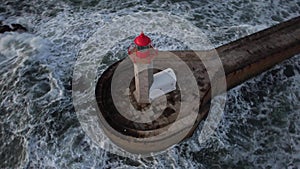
(141, 53)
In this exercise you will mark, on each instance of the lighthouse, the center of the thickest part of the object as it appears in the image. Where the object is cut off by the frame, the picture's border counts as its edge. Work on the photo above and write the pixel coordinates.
(141, 53)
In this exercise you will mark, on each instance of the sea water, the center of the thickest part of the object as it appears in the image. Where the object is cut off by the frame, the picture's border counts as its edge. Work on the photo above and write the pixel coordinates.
(260, 127)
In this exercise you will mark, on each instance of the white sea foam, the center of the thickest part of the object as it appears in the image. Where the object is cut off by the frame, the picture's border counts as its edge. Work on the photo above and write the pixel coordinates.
(260, 128)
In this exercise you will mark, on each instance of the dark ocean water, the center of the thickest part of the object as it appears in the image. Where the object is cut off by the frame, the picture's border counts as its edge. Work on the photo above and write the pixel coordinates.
(38, 124)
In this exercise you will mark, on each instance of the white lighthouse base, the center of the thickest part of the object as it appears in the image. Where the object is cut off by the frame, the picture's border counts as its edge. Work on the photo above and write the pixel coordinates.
(163, 83)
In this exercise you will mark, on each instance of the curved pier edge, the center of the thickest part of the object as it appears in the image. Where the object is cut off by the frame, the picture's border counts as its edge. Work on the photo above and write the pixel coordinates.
(242, 59)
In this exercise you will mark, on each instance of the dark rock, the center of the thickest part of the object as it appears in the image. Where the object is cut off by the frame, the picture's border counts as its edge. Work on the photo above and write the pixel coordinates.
(18, 28)
(12, 28)
(5, 28)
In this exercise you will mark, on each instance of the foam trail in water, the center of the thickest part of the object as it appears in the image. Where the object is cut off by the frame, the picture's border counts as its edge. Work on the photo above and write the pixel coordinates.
(260, 128)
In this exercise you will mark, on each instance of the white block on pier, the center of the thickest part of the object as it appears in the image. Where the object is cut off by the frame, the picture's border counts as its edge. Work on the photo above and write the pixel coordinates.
(163, 83)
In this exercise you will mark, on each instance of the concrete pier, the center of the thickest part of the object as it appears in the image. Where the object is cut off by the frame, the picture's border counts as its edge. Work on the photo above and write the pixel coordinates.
(242, 59)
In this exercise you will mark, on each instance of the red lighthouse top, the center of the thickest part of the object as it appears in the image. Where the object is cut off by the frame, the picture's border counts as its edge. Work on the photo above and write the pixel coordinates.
(142, 40)
(142, 50)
